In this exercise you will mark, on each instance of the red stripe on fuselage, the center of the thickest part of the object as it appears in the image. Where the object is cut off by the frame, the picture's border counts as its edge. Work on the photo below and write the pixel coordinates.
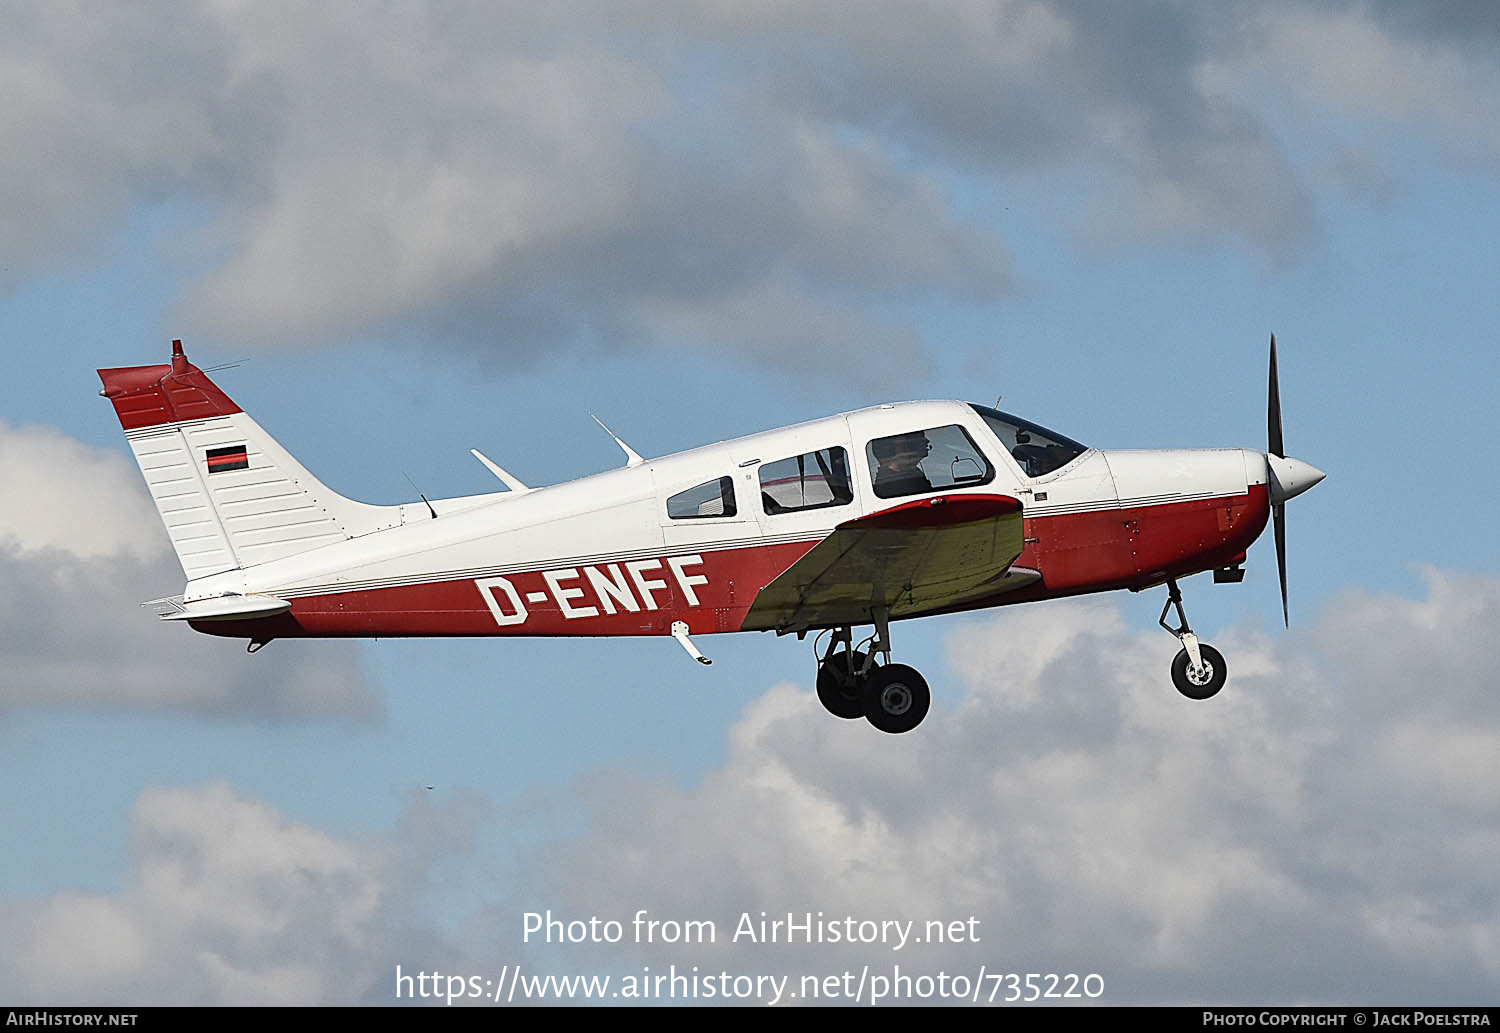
(1080, 553)
(1075, 553)
(646, 596)
(1123, 548)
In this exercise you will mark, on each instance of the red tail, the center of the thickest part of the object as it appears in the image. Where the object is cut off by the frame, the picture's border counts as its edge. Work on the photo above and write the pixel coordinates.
(148, 396)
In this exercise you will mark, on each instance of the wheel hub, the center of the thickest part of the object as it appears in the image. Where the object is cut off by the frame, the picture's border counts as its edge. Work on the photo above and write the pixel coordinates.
(895, 699)
(1200, 674)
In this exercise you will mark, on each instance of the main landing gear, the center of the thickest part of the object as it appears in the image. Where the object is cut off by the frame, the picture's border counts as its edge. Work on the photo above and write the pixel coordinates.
(860, 681)
(852, 683)
(1198, 670)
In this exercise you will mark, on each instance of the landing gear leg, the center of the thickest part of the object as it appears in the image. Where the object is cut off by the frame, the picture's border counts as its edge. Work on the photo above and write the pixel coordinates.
(852, 683)
(842, 673)
(1198, 670)
(896, 696)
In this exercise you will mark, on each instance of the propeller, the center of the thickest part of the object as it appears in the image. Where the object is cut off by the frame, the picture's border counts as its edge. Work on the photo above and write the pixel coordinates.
(1286, 477)
(1276, 447)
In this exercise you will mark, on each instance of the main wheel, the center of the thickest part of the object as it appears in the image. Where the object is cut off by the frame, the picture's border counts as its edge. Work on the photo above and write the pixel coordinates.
(1199, 684)
(840, 690)
(896, 698)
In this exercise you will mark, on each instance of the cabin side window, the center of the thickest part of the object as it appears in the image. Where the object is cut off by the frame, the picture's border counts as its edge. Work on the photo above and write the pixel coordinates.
(812, 480)
(709, 499)
(926, 460)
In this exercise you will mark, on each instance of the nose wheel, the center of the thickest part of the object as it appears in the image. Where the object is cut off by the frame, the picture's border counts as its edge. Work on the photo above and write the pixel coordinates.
(1203, 680)
(852, 683)
(1198, 669)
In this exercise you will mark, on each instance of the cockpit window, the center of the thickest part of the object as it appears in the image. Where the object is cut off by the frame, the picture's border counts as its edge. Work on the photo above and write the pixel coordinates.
(926, 460)
(711, 499)
(809, 481)
(1036, 450)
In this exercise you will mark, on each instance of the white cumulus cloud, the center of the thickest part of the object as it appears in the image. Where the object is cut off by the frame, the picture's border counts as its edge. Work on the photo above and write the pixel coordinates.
(1321, 831)
(229, 902)
(81, 547)
(1254, 848)
(520, 177)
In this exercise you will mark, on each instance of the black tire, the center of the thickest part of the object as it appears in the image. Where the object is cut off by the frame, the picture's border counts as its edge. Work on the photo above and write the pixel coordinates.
(896, 699)
(843, 694)
(1218, 673)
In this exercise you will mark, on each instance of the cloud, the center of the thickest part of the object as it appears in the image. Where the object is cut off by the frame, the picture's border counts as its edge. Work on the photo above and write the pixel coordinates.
(518, 178)
(228, 902)
(460, 175)
(58, 490)
(81, 546)
(1322, 831)
(1368, 85)
(1251, 849)
(113, 107)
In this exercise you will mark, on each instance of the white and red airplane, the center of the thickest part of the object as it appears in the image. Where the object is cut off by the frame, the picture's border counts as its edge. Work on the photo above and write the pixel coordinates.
(863, 518)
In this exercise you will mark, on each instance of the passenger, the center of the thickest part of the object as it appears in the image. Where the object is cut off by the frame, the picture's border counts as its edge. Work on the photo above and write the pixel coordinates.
(899, 472)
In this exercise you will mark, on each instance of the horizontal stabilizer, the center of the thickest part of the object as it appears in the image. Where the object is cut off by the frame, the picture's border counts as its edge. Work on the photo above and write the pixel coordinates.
(220, 608)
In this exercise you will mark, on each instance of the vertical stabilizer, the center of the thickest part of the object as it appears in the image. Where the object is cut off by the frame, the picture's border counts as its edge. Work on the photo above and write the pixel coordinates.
(230, 496)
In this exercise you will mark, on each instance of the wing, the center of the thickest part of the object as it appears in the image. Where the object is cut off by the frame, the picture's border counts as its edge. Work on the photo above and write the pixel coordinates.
(915, 558)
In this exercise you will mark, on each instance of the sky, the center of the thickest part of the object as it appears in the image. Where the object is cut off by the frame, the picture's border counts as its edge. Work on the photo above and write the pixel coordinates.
(409, 230)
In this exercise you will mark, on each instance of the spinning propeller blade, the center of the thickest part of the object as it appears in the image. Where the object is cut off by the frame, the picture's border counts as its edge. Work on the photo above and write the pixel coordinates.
(1273, 410)
(1276, 446)
(1278, 514)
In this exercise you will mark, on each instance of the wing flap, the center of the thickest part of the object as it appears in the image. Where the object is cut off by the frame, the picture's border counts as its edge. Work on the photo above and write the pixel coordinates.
(915, 558)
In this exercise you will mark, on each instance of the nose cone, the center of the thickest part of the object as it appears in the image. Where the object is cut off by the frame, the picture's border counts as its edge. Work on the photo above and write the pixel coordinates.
(1290, 477)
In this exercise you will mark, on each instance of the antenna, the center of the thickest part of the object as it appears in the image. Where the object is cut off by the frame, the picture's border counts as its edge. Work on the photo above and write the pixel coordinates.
(509, 480)
(419, 493)
(632, 457)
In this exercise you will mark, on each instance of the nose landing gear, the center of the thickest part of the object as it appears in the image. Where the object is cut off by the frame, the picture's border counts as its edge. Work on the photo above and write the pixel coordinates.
(852, 683)
(1198, 670)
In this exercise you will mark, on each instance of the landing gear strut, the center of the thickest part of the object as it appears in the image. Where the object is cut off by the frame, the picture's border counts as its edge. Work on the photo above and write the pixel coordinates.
(852, 683)
(842, 674)
(1198, 670)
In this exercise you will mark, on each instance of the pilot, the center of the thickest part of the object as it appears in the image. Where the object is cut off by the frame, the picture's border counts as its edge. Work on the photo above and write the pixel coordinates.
(897, 471)
(1037, 459)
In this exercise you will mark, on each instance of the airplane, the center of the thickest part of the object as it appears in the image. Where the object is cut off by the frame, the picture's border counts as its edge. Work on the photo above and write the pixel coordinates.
(868, 517)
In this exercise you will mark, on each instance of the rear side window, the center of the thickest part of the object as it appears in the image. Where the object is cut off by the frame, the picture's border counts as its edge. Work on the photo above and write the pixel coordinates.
(812, 480)
(710, 499)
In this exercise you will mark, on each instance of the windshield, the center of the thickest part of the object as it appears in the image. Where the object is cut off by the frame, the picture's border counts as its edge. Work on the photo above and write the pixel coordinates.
(1035, 449)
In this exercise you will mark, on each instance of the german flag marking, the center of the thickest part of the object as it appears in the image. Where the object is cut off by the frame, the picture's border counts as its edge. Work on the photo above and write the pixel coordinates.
(232, 458)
